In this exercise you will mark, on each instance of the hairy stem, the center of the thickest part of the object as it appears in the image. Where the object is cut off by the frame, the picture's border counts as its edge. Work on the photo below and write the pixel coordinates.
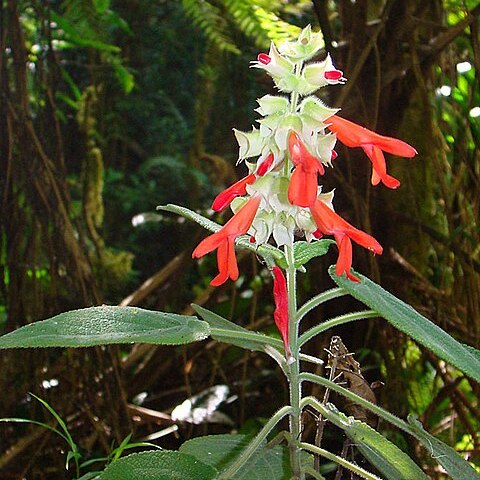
(341, 461)
(293, 372)
(319, 299)
(321, 421)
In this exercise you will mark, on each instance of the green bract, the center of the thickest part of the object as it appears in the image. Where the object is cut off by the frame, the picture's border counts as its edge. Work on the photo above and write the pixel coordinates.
(316, 109)
(307, 45)
(250, 143)
(272, 104)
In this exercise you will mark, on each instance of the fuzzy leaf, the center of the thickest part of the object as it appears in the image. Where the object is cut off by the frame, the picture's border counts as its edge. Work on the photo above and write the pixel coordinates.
(406, 319)
(380, 452)
(305, 251)
(164, 465)
(204, 222)
(91, 476)
(225, 331)
(457, 467)
(221, 450)
(383, 454)
(108, 325)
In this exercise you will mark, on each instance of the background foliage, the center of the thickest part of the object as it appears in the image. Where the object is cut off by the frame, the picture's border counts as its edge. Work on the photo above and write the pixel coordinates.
(109, 108)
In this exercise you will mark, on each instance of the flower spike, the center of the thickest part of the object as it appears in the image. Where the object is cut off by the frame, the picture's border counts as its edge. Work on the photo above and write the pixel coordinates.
(224, 242)
(373, 144)
(280, 198)
(330, 223)
(303, 187)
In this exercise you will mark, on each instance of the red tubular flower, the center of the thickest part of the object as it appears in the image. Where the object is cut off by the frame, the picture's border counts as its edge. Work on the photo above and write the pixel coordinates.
(373, 144)
(330, 223)
(280, 295)
(265, 165)
(224, 242)
(302, 190)
(223, 199)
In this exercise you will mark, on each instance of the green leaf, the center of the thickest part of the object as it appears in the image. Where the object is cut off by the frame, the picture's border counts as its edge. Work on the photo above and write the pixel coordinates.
(225, 331)
(106, 325)
(406, 319)
(305, 251)
(73, 86)
(33, 422)
(126, 79)
(383, 454)
(91, 476)
(380, 452)
(204, 222)
(211, 20)
(268, 252)
(457, 467)
(220, 451)
(72, 36)
(73, 453)
(101, 6)
(71, 103)
(164, 465)
(60, 421)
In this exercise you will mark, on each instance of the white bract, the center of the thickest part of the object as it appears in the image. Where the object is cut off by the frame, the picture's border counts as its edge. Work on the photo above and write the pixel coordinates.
(277, 217)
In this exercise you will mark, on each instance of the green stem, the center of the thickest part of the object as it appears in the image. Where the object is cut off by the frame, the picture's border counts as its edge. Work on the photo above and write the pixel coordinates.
(294, 95)
(341, 461)
(313, 473)
(293, 371)
(293, 101)
(254, 445)
(318, 299)
(334, 322)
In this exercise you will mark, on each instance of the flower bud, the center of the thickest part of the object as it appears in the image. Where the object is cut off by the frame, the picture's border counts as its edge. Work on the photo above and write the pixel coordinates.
(307, 45)
(274, 64)
(323, 73)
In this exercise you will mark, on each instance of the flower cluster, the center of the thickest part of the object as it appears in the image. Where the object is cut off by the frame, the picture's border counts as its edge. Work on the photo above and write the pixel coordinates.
(286, 154)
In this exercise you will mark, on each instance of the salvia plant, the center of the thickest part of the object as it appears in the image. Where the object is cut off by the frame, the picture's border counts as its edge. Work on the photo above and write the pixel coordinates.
(282, 214)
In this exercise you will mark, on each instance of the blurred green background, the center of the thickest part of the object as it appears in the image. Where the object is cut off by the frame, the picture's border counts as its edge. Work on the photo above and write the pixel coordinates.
(110, 108)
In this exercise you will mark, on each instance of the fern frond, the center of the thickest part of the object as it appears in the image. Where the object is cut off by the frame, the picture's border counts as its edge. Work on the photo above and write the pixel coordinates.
(85, 19)
(260, 25)
(208, 17)
(277, 29)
